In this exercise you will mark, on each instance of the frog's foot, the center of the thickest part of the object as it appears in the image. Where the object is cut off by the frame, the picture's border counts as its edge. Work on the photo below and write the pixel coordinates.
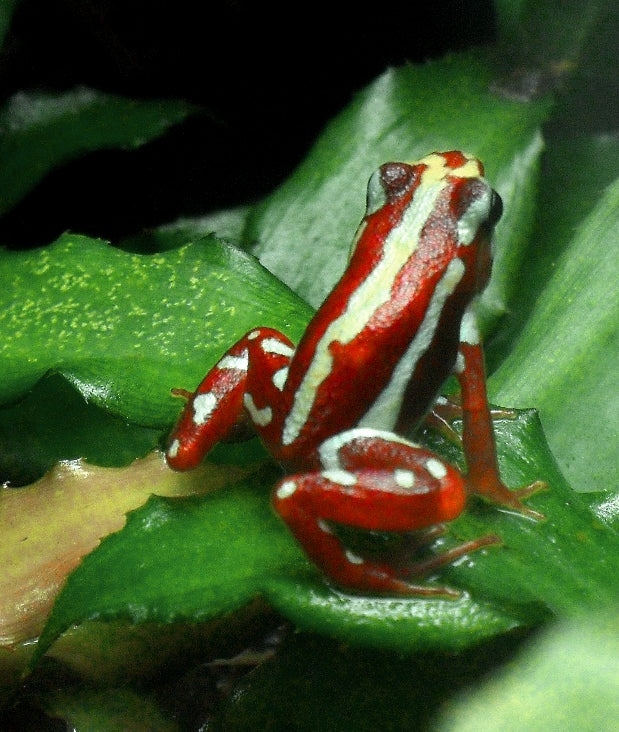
(425, 566)
(182, 393)
(447, 410)
(497, 492)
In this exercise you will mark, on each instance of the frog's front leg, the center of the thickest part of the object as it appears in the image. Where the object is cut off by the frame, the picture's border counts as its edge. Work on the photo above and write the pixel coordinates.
(374, 481)
(448, 409)
(478, 441)
(245, 383)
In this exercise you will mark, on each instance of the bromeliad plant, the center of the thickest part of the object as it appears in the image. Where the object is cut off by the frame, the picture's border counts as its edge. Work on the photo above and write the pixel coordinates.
(123, 329)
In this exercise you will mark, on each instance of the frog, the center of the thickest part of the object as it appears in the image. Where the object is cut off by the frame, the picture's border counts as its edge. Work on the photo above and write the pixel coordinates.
(335, 410)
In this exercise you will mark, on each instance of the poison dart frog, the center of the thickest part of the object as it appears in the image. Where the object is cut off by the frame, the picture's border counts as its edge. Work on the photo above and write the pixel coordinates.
(367, 370)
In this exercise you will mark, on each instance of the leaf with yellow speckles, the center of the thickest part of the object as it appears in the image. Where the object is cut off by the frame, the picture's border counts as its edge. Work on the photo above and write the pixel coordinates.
(126, 328)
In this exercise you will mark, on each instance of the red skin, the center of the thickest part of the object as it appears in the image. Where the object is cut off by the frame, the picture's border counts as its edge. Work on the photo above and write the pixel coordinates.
(360, 486)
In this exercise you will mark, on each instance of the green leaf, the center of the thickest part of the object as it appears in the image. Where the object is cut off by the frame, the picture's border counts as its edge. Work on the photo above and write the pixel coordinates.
(562, 361)
(200, 558)
(197, 560)
(304, 230)
(106, 710)
(53, 422)
(41, 130)
(125, 328)
(566, 679)
(315, 683)
(226, 224)
(605, 505)
(534, 34)
(568, 194)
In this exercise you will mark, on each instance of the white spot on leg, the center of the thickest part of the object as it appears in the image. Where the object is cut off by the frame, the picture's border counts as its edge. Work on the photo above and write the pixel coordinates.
(460, 364)
(203, 406)
(272, 345)
(233, 362)
(260, 417)
(173, 449)
(404, 478)
(329, 450)
(340, 477)
(436, 468)
(286, 489)
(353, 558)
(324, 527)
(279, 378)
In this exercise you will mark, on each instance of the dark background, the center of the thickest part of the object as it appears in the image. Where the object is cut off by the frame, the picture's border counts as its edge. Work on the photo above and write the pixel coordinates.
(267, 76)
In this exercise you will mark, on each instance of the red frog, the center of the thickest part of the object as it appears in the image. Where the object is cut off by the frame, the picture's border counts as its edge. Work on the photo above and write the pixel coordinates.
(368, 369)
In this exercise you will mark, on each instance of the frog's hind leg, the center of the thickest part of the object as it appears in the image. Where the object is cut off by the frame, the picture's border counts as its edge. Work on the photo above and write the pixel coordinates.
(411, 490)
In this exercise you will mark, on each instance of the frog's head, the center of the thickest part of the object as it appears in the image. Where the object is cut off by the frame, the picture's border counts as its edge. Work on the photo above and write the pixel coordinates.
(442, 197)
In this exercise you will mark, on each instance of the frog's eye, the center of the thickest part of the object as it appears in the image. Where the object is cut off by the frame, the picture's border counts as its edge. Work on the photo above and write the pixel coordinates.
(496, 208)
(475, 205)
(376, 194)
(389, 182)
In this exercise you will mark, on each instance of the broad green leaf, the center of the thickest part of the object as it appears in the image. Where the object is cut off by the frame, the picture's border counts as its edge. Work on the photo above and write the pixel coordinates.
(567, 679)
(106, 710)
(41, 130)
(304, 230)
(563, 360)
(534, 34)
(315, 683)
(218, 556)
(568, 195)
(198, 559)
(125, 328)
(605, 505)
(226, 224)
(53, 423)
